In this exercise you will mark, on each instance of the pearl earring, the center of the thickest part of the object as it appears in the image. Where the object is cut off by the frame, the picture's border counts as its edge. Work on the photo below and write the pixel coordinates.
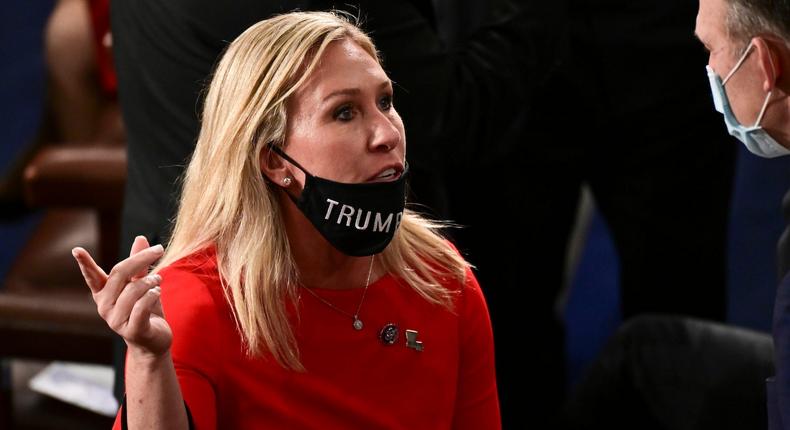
(287, 181)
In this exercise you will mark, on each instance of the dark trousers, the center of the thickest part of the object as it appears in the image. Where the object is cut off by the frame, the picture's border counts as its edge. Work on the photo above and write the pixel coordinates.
(673, 373)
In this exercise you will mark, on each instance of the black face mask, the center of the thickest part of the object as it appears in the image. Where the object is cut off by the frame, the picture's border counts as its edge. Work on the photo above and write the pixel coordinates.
(357, 219)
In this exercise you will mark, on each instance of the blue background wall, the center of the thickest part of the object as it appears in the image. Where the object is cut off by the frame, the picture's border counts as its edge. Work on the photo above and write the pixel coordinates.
(21, 95)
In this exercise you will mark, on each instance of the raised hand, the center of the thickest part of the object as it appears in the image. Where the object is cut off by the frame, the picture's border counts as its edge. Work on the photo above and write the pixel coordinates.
(128, 298)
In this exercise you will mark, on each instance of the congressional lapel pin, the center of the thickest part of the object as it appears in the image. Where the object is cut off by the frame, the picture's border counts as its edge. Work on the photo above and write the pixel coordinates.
(389, 334)
(412, 342)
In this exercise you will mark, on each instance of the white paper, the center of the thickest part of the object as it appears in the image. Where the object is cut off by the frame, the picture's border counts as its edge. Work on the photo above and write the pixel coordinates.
(88, 386)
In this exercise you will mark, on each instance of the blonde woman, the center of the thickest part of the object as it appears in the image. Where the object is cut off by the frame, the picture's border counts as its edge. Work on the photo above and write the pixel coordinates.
(296, 291)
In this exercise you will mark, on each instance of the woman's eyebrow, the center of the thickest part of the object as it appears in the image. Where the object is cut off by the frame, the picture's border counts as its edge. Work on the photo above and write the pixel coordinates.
(353, 91)
(343, 92)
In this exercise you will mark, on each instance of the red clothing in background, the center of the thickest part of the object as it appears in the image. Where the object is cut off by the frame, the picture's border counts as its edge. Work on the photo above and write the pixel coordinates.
(353, 380)
(100, 18)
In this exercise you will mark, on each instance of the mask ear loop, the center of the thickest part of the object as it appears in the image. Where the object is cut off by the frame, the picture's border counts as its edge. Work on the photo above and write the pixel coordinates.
(282, 154)
(277, 150)
(743, 58)
(762, 111)
(767, 98)
(738, 64)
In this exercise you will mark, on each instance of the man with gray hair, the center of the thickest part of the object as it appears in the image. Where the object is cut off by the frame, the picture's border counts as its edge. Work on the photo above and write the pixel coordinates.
(682, 373)
(749, 45)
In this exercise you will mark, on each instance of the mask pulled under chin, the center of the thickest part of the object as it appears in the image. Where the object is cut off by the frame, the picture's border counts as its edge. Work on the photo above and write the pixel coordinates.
(755, 138)
(357, 219)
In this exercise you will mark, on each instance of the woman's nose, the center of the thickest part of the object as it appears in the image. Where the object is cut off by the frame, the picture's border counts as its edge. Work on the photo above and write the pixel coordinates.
(385, 134)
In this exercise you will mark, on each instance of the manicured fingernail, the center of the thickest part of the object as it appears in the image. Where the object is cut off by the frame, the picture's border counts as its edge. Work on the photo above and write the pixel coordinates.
(74, 252)
(156, 291)
(157, 278)
(158, 248)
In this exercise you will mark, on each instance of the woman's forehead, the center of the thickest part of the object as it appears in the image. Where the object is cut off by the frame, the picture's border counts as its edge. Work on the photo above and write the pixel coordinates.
(344, 65)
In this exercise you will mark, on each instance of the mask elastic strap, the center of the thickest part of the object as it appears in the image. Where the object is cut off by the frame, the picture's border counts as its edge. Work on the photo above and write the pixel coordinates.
(282, 153)
(762, 111)
(767, 98)
(738, 64)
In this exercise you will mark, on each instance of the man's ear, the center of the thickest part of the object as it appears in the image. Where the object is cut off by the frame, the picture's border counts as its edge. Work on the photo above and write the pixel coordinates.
(768, 62)
(273, 166)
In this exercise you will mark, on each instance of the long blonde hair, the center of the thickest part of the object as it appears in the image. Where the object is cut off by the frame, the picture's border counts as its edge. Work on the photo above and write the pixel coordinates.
(226, 203)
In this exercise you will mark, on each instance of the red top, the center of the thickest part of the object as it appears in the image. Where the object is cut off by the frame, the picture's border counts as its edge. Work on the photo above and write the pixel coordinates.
(352, 379)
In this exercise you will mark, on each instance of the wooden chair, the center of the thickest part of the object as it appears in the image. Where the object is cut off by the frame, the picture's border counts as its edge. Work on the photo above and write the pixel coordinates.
(46, 310)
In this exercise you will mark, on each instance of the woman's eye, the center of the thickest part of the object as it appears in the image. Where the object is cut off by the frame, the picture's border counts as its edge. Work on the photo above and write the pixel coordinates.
(344, 113)
(385, 103)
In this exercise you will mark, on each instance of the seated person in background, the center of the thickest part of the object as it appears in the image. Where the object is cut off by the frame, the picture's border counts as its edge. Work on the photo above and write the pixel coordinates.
(297, 291)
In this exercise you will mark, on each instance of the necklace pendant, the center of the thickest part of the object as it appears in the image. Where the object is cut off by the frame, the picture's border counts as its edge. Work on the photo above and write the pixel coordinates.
(358, 324)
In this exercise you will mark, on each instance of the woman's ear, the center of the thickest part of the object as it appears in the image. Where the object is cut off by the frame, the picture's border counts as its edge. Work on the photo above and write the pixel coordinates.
(274, 168)
(768, 62)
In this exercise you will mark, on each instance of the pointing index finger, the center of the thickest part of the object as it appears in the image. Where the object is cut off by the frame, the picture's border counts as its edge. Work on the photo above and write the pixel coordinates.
(93, 274)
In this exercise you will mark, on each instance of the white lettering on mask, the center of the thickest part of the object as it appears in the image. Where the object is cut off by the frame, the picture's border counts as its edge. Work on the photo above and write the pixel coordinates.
(379, 226)
(346, 211)
(332, 204)
(367, 220)
(380, 223)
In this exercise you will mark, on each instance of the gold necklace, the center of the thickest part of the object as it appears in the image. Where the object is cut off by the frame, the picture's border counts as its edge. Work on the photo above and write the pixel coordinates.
(357, 323)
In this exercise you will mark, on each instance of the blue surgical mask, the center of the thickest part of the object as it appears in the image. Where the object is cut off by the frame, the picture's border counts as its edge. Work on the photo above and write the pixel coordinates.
(756, 139)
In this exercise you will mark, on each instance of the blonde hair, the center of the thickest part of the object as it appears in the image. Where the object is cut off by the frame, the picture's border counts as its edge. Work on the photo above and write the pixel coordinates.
(226, 203)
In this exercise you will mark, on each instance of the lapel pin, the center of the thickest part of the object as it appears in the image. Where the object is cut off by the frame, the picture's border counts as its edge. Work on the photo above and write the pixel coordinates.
(389, 334)
(411, 340)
